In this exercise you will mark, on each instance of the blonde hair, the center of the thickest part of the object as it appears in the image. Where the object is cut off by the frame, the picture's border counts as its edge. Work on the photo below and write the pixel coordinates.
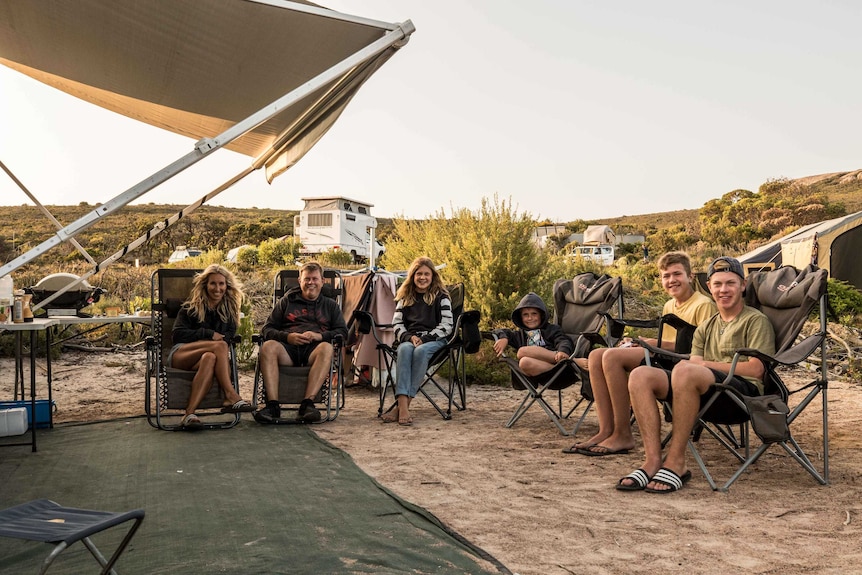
(228, 308)
(407, 292)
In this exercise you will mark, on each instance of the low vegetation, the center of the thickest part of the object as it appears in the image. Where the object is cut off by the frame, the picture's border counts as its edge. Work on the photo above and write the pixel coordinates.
(488, 249)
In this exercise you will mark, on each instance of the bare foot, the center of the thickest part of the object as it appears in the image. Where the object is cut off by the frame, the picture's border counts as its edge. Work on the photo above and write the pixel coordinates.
(594, 440)
(390, 416)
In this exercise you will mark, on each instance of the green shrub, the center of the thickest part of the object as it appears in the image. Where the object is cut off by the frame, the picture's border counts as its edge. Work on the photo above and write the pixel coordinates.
(489, 250)
(846, 301)
(277, 253)
(334, 258)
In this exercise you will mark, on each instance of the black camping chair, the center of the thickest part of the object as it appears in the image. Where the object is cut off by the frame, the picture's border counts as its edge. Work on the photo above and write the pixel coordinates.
(578, 307)
(168, 388)
(48, 522)
(447, 373)
(787, 296)
(292, 380)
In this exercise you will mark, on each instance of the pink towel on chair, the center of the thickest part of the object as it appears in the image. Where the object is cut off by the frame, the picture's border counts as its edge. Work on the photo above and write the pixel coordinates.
(382, 309)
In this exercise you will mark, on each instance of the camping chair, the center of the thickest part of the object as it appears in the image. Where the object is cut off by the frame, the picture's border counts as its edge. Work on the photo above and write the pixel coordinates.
(47, 522)
(292, 380)
(448, 362)
(578, 307)
(168, 388)
(786, 296)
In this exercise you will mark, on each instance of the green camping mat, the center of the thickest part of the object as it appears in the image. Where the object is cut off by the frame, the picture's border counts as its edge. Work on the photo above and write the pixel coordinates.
(252, 499)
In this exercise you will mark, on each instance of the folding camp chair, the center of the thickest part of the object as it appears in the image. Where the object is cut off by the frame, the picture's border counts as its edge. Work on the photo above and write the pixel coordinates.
(292, 380)
(578, 307)
(787, 297)
(47, 522)
(168, 388)
(447, 372)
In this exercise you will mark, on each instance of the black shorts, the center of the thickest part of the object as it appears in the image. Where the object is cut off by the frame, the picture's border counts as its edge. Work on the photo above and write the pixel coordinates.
(723, 404)
(299, 354)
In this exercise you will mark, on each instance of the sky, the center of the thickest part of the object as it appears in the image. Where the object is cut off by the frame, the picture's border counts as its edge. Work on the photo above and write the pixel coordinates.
(571, 109)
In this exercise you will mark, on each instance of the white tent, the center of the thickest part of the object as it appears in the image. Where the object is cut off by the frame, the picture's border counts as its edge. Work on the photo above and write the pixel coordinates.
(265, 78)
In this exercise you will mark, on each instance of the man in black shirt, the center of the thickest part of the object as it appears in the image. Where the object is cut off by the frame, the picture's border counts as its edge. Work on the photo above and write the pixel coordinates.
(299, 332)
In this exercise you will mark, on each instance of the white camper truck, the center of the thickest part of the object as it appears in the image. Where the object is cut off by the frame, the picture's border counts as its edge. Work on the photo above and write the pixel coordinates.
(598, 245)
(337, 223)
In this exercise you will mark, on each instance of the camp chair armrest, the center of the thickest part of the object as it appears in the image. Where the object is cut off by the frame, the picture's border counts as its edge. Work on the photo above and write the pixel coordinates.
(236, 339)
(801, 350)
(150, 341)
(337, 341)
(256, 338)
(594, 338)
(491, 336)
(673, 321)
(750, 352)
(654, 350)
(636, 323)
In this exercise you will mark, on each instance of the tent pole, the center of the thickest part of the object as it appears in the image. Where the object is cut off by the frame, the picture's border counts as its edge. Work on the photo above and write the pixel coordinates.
(45, 211)
(158, 228)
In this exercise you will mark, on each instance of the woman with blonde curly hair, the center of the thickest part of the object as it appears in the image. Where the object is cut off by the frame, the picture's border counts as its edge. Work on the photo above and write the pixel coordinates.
(423, 321)
(207, 321)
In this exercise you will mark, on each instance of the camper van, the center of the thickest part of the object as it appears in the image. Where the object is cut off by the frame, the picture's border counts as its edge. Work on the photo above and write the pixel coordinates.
(337, 223)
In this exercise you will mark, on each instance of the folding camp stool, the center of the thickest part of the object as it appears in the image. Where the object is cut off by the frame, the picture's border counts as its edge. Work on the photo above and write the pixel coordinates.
(46, 521)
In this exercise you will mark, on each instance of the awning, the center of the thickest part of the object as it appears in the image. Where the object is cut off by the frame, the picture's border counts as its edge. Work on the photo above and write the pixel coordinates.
(263, 78)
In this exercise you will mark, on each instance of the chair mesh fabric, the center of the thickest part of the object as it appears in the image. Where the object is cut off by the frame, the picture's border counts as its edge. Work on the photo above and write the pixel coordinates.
(45, 521)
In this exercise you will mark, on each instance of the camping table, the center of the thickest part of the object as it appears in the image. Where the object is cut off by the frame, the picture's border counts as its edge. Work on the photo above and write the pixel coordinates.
(43, 324)
(38, 324)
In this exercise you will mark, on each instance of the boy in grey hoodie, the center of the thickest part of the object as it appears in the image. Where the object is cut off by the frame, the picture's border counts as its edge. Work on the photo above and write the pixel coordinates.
(540, 344)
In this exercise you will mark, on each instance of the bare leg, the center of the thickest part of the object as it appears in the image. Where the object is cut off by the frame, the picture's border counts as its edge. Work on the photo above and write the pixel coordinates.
(689, 381)
(617, 364)
(646, 385)
(202, 381)
(601, 398)
(320, 361)
(209, 359)
(272, 354)
(404, 409)
(534, 360)
(223, 373)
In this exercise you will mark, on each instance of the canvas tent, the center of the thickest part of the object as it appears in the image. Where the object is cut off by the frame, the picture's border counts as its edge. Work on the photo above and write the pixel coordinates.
(265, 78)
(599, 235)
(832, 245)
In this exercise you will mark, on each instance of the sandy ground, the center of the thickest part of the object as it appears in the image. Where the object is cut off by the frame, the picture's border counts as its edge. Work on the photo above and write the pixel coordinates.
(513, 493)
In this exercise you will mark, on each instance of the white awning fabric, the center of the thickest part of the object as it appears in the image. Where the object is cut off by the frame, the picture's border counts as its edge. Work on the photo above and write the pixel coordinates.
(265, 78)
(197, 67)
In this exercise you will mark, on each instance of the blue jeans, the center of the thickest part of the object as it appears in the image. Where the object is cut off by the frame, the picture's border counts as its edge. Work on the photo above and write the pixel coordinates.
(411, 365)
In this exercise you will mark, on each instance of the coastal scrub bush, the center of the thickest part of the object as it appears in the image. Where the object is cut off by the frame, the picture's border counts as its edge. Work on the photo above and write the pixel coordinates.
(488, 249)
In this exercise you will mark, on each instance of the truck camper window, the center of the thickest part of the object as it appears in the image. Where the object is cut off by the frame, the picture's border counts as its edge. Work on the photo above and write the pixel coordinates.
(351, 217)
(363, 210)
(319, 220)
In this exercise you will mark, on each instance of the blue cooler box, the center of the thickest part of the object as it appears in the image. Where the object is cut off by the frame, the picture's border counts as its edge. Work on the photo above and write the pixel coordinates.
(43, 411)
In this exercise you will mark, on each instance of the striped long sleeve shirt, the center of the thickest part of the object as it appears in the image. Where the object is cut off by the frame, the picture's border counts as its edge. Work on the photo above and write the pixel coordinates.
(430, 323)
